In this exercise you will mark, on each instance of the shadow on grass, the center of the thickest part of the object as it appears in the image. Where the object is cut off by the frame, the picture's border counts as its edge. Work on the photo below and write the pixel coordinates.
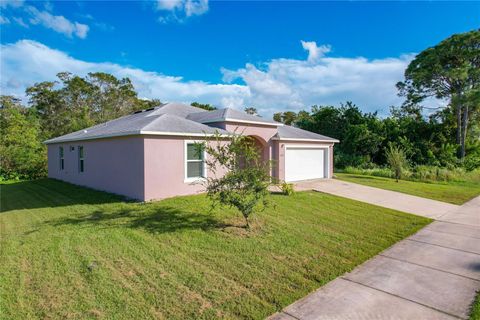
(108, 210)
(155, 220)
(49, 193)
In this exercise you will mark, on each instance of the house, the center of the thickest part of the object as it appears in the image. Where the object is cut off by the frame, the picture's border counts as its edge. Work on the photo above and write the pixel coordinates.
(148, 154)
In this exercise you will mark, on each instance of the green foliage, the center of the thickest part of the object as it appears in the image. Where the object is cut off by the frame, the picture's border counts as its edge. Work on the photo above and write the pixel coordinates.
(287, 188)
(397, 160)
(449, 70)
(73, 103)
(204, 106)
(22, 154)
(240, 178)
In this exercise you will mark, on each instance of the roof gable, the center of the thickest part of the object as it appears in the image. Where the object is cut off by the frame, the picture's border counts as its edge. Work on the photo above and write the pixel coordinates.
(229, 114)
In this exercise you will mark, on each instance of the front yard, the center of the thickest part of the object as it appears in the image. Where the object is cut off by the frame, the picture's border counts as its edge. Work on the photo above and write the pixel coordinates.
(71, 252)
(451, 192)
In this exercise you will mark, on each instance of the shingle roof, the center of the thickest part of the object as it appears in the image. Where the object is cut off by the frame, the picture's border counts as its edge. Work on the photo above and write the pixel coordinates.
(154, 121)
(181, 119)
(289, 132)
(228, 114)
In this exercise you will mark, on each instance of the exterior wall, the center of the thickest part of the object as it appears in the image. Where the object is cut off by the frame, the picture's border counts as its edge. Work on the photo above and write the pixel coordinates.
(282, 145)
(113, 165)
(165, 168)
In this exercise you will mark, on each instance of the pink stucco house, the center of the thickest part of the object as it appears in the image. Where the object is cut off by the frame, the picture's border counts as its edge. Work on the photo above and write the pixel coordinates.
(148, 155)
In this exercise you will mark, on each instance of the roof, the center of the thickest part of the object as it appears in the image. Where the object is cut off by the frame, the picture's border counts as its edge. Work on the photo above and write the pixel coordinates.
(159, 120)
(182, 120)
(293, 133)
(229, 114)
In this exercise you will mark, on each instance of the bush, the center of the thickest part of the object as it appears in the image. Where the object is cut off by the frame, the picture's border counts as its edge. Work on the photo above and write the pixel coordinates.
(422, 173)
(378, 172)
(397, 160)
(287, 188)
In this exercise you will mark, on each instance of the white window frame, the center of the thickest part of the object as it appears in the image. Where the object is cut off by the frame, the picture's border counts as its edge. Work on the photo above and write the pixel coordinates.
(81, 159)
(185, 161)
(61, 155)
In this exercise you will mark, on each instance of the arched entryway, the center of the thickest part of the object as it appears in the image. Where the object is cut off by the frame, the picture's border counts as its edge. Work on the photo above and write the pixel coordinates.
(262, 149)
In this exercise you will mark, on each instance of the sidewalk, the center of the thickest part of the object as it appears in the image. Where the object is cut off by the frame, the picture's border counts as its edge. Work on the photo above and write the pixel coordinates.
(433, 274)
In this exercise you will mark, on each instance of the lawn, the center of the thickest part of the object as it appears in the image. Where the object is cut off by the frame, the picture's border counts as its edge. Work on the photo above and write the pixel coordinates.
(452, 192)
(475, 312)
(72, 252)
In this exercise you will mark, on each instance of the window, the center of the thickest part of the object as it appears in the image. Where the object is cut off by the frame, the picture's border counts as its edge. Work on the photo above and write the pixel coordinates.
(195, 164)
(81, 159)
(62, 159)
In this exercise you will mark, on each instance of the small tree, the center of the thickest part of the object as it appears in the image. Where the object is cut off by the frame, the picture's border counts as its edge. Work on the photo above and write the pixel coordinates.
(243, 179)
(396, 159)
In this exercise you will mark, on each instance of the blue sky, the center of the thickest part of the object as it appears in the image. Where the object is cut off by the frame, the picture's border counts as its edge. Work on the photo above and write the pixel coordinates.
(272, 55)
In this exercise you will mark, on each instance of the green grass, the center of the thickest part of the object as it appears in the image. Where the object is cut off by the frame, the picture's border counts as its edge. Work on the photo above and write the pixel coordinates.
(71, 252)
(451, 192)
(475, 311)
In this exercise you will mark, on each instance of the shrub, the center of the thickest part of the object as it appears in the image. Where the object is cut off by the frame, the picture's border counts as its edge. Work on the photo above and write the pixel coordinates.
(245, 184)
(397, 160)
(287, 188)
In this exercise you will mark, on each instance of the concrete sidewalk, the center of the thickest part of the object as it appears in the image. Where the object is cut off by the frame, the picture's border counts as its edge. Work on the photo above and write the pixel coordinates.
(433, 274)
(380, 197)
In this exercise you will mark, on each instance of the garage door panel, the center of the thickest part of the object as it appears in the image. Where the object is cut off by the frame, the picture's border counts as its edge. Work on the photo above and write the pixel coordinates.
(304, 163)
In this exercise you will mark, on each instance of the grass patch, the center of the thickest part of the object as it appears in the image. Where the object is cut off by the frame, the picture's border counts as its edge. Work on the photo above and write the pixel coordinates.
(455, 192)
(72, 252)
(475, 311)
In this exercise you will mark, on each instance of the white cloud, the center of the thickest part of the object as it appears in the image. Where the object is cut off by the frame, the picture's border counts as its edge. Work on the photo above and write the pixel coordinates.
(314, 52)
(281, 84)
(20, 22)
(59, 24)
(4, 20)
(11, 3)
(180, 10)
(27, 62)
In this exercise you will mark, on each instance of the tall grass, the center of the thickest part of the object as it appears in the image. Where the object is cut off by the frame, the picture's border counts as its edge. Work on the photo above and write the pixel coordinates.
(421, 173)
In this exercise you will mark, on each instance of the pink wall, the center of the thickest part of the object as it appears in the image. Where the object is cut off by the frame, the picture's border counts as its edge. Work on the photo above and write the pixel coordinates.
(165, 168)
(113, 165)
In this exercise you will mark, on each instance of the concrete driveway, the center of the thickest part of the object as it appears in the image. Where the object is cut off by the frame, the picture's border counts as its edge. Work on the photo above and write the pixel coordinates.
(433, 274)
(380, 197)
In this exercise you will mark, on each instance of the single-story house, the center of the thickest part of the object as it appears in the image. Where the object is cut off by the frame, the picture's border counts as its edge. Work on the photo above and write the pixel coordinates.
(148, 154)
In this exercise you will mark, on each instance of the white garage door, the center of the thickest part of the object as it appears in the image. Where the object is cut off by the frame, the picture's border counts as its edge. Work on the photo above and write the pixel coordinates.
(304, 163)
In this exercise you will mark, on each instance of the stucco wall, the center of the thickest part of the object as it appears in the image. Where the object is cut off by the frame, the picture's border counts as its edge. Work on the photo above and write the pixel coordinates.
(113, 165)
(165, 168)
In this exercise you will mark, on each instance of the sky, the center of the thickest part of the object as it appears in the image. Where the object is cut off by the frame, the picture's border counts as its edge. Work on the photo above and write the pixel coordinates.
(273, 55)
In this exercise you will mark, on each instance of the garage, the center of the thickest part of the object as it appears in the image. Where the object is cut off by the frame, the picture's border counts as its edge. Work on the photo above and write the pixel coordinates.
(304, 163)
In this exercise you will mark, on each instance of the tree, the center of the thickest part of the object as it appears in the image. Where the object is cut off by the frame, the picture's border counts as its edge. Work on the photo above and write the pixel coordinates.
(396, 160)
(22, 153)
(244, 185)
(204, 106)
(251, 110)
(450, 70)
(73, 103)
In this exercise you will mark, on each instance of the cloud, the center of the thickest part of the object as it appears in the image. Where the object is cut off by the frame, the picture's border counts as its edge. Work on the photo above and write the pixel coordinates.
(11, 3)
(27, 62)
(276, 85)
(180, 10)
(35, 16)
(4, 20)
(59, 24)
(314, 52)
(286, 84)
